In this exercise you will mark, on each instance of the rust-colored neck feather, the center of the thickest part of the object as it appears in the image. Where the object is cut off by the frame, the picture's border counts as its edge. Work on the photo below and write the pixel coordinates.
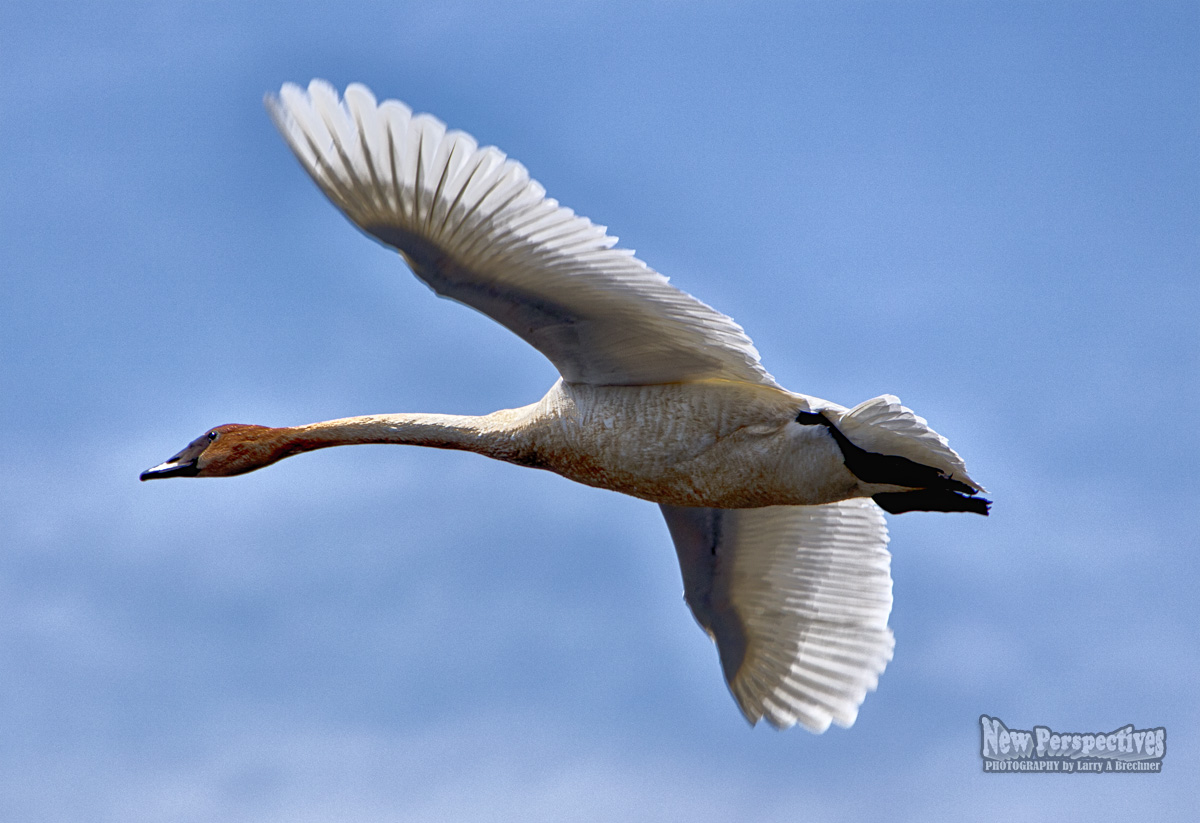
(502, 434)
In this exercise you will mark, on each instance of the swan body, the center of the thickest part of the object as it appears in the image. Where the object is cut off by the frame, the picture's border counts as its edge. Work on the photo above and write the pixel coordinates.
(773, 499)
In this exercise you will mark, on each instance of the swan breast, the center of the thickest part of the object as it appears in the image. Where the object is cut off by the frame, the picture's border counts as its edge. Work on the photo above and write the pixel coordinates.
(709, 443)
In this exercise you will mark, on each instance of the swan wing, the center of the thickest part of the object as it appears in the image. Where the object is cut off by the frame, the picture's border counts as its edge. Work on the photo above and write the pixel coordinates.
(475, 228)
(797, 599)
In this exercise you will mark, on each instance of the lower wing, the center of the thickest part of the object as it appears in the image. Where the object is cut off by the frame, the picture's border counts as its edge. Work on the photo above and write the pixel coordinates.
(797, 599)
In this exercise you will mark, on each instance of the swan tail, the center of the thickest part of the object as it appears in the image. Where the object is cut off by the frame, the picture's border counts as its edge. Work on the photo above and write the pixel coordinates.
(884, 426)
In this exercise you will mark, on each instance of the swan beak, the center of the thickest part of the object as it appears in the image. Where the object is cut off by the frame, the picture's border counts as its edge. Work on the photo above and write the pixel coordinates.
(184, 464)
(175, 467)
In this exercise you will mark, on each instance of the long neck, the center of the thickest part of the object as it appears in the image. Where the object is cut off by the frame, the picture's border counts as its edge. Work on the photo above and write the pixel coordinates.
(503, 435)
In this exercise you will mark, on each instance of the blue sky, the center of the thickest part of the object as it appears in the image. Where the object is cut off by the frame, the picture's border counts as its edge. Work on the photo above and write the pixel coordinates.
(991, 210)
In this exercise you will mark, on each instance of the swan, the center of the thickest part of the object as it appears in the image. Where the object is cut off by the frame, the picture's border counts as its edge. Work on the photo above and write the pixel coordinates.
(774, 500)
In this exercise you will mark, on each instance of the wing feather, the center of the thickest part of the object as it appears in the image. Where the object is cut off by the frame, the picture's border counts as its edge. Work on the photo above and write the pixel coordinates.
(797, 599)
(474, 226)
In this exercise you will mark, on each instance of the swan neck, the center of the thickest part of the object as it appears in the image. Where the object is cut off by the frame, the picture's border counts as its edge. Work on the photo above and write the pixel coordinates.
(496, 435)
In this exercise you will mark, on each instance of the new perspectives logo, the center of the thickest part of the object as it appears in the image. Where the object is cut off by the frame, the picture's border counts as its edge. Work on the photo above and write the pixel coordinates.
(1043, 750)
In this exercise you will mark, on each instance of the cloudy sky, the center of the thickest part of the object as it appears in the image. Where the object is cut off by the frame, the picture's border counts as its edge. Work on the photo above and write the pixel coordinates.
(989, 209)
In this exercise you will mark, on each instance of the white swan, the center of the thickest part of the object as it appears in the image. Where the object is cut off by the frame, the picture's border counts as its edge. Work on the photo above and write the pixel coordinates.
(770, 497)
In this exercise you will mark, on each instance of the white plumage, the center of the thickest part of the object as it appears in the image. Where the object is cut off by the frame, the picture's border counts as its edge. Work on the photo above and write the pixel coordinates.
(598, 313)
(767, 494)
(798, 604)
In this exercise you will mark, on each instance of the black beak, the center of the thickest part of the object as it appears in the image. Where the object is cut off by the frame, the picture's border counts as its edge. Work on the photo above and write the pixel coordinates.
(182, 464)
(172, 468)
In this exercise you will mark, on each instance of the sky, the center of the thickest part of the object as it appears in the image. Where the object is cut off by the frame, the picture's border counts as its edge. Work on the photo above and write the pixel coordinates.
(990, 209)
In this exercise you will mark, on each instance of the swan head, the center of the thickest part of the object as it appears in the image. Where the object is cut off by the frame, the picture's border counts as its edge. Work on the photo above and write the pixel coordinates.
(226, 450)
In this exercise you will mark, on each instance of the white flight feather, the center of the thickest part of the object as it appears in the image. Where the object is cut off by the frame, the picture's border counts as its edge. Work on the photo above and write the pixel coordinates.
(797, 599)
(477, 229)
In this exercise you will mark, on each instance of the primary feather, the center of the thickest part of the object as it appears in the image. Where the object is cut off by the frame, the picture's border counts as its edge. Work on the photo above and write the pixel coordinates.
(797, 599)
(474, 226)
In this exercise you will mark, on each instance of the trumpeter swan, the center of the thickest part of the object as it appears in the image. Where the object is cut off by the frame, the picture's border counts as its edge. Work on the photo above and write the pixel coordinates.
(773, 499)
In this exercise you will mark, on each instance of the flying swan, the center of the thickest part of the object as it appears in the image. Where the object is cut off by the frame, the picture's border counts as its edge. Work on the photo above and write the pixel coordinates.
(774, 500)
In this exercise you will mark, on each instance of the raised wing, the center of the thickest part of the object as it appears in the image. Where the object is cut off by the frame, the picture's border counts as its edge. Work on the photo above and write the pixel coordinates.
(477, 229)
(797, 599)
